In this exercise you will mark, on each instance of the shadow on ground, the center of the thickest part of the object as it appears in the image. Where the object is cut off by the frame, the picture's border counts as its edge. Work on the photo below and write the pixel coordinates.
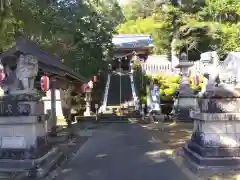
(122, 152)
(174, 137)
(132, 151)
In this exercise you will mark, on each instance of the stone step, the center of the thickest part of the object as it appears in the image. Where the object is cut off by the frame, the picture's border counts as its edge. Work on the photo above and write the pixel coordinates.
(114, 120)
(106, 118)
(7, 176)
(130, 114)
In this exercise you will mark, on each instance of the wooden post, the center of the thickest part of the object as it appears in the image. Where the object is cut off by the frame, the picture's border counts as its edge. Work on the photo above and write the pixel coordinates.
(53, 106)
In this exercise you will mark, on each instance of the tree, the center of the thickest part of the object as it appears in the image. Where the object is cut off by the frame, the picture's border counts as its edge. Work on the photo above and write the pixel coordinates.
(135, 9)
(197, 26)
(79, 32)
(155, 26)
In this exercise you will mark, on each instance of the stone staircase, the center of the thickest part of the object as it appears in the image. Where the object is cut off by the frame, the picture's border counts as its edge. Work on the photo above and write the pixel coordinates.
(9, 175)
(120, 105)
(114, 96)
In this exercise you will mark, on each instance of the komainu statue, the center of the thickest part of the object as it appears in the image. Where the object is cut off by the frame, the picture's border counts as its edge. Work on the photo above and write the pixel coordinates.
(27, 69)
(210, 68)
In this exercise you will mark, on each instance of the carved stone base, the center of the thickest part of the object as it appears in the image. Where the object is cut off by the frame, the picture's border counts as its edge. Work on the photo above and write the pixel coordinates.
(37, 168)
(27, 91)
(215, 141)
(23, 132)
(212, 152)
(183, 107)
(200, 162)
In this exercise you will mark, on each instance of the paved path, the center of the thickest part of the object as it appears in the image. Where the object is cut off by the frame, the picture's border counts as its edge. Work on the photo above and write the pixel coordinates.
(121, 152)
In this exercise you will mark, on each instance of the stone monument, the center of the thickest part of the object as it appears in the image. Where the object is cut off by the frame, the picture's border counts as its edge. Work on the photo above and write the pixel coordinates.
(22, 119)
(185, 98)
(215, 141)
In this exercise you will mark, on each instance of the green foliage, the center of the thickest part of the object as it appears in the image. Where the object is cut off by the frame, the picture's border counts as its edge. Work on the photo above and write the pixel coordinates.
(79, 32)
(157, 28)
(198, 25)
(169, 85)
(143, 99)
(135, 9)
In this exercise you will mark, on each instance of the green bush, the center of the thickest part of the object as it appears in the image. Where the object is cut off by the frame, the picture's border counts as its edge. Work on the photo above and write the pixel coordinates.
(169, 91)
(168, 86)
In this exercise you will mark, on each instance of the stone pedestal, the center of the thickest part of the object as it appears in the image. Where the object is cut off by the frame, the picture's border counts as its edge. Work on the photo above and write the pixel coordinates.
(22, 126)
(88, 109)
(216, 135)
(183, 106)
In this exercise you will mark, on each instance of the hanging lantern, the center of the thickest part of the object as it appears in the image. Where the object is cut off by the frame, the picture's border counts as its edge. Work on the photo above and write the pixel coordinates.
(94, 78)
(2, 75)
(45, 83)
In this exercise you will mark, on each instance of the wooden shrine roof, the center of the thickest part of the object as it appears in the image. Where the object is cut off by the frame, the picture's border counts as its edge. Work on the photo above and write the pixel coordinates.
(46, 62)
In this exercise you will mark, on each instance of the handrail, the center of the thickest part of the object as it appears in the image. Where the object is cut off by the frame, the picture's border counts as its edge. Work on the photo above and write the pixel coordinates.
(135, 98)
(103, 107)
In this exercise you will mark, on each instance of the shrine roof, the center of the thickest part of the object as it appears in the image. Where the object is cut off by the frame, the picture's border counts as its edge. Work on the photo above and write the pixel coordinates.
(132, 41)
(47, 62)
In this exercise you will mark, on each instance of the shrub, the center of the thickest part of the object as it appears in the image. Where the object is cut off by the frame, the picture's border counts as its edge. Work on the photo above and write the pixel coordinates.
(168, 86)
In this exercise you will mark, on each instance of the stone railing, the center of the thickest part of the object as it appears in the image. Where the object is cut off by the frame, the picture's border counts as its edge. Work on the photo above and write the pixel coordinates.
(135, 98)
(103, 107)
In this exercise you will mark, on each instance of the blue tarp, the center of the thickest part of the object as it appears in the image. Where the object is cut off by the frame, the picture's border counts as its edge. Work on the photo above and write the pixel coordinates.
(129, 41)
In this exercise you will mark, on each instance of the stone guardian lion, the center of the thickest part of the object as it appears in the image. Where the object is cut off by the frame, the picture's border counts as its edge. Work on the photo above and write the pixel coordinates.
(27, 69)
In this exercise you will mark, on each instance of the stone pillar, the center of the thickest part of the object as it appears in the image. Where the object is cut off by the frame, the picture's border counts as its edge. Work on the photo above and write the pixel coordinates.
(215, 141)
(53, 106)
(65, 95)
(47, 103)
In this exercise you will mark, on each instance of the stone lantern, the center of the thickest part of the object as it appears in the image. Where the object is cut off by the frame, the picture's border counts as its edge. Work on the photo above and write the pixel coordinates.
(186, 98)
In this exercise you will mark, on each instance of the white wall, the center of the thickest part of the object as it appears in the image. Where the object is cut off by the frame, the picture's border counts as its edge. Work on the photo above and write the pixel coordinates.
(166, 67)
